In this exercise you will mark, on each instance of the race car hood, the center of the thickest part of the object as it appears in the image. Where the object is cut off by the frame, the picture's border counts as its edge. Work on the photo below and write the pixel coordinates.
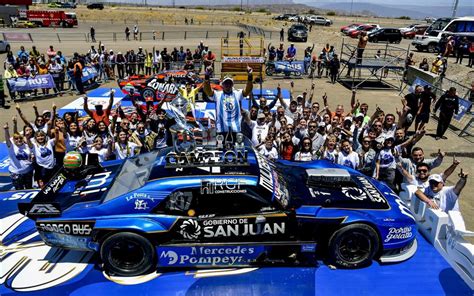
(67, 188)
(332, 186)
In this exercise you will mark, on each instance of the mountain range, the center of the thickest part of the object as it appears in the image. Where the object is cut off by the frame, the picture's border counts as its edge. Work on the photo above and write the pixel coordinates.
(391, 10)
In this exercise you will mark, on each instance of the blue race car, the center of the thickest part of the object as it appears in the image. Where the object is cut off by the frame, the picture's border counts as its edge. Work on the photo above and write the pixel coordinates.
(213, 207)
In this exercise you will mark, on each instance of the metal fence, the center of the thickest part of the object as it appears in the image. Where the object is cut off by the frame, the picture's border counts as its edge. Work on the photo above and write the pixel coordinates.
(142, 36)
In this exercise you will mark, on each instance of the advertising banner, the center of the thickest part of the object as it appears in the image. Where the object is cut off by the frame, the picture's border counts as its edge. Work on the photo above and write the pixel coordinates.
(248, 60)
(31, 83)
(464, 105)
(88, 73)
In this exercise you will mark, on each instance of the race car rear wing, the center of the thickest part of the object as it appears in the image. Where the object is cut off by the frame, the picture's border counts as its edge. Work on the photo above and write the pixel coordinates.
(45, 204)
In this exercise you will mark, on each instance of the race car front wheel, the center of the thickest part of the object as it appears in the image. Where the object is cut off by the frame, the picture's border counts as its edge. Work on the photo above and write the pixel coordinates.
(353, 246)
(127, 254)
(148, 92)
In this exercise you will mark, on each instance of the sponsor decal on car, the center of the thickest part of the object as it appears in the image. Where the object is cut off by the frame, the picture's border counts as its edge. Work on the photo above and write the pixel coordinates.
(231, 227)
(22, 195)
(71, 241)
(209, 255)
(400, 233)
(354, 193)
(280, 192)
(266, 179)
(223, 186)
(44, 209)
(209, 157)
(140, 204)
(163, 87)
(69, 228)
(94, 184)
(190, 229)
(371, 191)
(55, 184)
(139, 195)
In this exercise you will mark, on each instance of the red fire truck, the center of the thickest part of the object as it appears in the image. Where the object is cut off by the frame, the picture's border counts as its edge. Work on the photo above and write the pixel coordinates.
(47, 18)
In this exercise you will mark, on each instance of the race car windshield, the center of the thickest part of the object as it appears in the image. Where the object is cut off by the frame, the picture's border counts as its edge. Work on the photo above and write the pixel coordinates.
(133, 175)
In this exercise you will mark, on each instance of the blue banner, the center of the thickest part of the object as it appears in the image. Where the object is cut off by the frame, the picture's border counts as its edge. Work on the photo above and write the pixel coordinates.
(297, 66)
(464, 105)
(418, 81)
(31, 83)
(88, 73)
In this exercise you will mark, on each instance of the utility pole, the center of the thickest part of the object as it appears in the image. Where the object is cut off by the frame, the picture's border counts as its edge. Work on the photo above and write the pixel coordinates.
(455, 7)
(241, 4)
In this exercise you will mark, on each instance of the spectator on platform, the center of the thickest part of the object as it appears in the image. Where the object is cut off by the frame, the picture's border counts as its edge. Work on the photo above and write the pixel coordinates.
(436, 65)
(424, 65)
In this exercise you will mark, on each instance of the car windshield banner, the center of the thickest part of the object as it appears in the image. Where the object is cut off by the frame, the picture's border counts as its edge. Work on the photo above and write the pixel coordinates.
(31, 83)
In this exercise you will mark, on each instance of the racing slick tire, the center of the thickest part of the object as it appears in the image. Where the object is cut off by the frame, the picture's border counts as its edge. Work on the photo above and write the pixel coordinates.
(297, 73)
(127, 254)
(148, 92)
(353, 246)
(375, 40)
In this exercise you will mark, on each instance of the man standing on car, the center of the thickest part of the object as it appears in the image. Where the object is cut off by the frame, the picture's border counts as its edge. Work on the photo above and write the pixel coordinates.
(228, 104)
(448, 105)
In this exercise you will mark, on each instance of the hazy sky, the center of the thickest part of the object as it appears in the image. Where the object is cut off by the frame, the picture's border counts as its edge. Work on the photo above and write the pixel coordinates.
(395, 2)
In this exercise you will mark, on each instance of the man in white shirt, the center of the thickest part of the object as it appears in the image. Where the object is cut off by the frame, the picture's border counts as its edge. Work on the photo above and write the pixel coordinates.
(437, 196)
(228, 103)
(259, 128)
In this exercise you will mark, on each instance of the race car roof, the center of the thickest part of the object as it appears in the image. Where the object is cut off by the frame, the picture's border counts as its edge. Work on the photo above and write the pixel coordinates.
(205, 162)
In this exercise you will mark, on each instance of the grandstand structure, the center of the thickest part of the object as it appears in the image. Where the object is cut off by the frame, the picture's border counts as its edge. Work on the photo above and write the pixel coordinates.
(381, 67)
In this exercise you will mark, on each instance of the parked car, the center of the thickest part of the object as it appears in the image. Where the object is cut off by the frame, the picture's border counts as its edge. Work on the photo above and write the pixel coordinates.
(356, 32)
(69, 5)
(391, 35)
(318, 20)
(430, 39)
(348, 27)
(280, 17)
(25, 24)
(293, 18)
(298, 32)
(95, 6)
(4, 46)
(163, 208)
(55, 5)
(407, 28)
(417, 30)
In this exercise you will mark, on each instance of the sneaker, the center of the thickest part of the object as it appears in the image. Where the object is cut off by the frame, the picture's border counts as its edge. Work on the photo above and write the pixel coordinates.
(437, 138)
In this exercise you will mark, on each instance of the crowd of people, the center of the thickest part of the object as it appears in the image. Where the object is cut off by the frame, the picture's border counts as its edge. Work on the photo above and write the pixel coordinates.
(107, 63)
(374, 142)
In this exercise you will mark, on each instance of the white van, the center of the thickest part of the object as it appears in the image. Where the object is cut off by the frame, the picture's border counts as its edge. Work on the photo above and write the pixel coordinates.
(430, 39)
